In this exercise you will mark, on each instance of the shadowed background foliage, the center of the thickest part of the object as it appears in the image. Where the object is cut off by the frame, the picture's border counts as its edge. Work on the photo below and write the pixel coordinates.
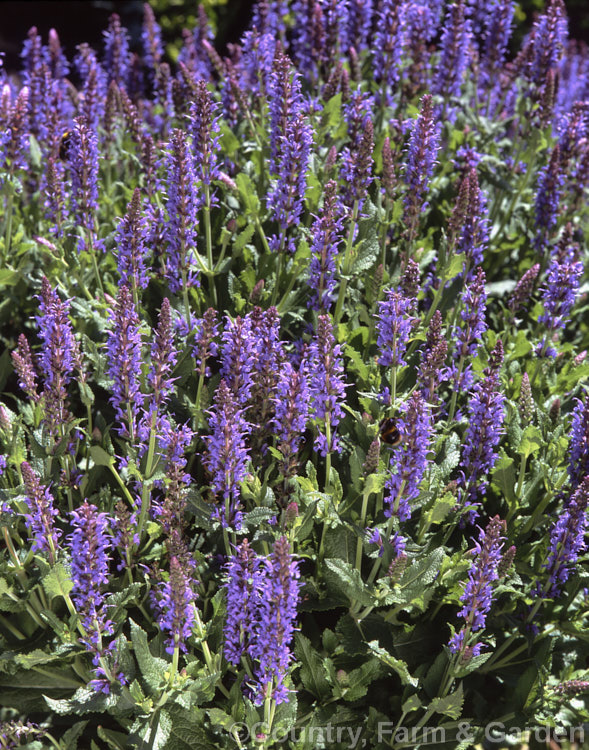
(85, 21)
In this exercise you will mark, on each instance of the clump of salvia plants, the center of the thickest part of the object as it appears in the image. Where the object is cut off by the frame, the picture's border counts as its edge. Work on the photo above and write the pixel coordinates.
(294, 429)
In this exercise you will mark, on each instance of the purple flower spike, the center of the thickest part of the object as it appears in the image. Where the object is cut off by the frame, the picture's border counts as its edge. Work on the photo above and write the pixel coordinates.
(409, 459)
(478, 592)
(421, 158)
(237, 357)
(117, 58)
(394, 328)
(486, 414)
(182, 207)
(227, 456)
(579, 443)
(205, 131)
(275, 627)
(567, 540)
(563, 278)
(132, 248)
(22, 359)
(473, 326)
(454, 53)
(57, 359)
(174, 604)
(89, 545)
(327, 233)
(40, 520)
(389, 42)
(123, 351)
(292, 411)
(550, 185)
(243, 591)
(327, 387)
(83, 160)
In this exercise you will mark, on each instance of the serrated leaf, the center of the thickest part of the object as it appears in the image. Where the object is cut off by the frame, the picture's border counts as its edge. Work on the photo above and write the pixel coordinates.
(312, 672)
(348, 581)
(397, 665)
(69, 740)
(84, 701)
(531, 441)
(450, 705)
(360, 679)
(152, 668)
(57, 582)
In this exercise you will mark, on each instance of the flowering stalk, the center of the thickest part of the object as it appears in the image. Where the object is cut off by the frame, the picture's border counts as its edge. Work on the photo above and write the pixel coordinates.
(40, 519)
(478, 592)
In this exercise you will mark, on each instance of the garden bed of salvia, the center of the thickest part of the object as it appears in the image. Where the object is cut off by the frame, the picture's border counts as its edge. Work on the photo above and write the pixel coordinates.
(294, 433)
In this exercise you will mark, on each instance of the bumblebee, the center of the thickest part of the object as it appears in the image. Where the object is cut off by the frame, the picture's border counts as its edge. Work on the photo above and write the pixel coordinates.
(64, 144)
(389, 432)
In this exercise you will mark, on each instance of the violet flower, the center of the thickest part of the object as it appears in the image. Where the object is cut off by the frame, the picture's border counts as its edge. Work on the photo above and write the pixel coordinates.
(275, 623)
(485, 422)
(454, 53)
(430, 372)
(123, 352)
(578, 467)
(326, 384)
(478, 592)
(291, 414)
(549, 190)
(327, 234)
(117, 58)
(287, 195)
(421, 158)
(182, 207)
(243, 601)
(469, 334)
(83, 162)
(567, 540)
(237, 357)
(151, 36)
(227, 456)
(389, 42)
(40, 519)
(22, 360)
(132, 247)
(174, 605)
(57, 359)
(205, 131)
(409, 459)
(563, 278)
(90, 544)
(394, 326)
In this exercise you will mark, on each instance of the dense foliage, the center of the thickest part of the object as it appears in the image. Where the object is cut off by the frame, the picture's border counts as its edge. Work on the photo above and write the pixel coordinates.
(294, 434)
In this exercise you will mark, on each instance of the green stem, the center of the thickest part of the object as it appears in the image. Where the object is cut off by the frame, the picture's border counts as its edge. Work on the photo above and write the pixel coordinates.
(360, 543)
(346, 265)
(452, 409)
(149, 468)
(209, 242)
(119, 479)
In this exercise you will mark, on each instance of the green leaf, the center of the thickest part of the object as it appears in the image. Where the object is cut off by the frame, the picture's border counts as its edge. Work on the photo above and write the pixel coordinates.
(248, 194)
(312, 672)
(397, 665)
(69, 741)
(360, 679)
(115, 740)
(531, 441)
(100, 456)
(152, 668)
(348, 581)
(451, 705)
(57, 582)
(186, 730)
(84, 701)
(34, 658)
(503, 476)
